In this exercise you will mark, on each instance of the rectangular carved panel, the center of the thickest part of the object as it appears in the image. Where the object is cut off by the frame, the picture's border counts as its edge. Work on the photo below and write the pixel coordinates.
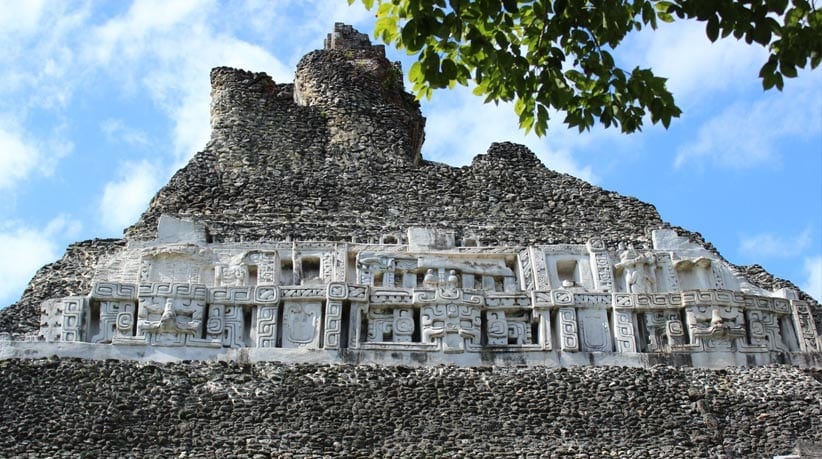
(569, 341)
(116, 320)
(73, 325)
(301, 325)
(625, 336)
(333, 324)
(594, 330)
(266, 331)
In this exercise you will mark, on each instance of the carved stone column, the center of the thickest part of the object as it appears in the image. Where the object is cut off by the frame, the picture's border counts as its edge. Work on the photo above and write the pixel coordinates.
(601, 266)
(267, 301)
(806, 329)
(568, 336)
(625, 331)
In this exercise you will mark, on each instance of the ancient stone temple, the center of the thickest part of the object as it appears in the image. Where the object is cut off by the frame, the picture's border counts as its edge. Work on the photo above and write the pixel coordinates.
(312, 279)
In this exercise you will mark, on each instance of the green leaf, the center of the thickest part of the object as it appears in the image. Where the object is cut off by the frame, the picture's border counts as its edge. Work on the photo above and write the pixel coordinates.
(712, 28)
(787, 69)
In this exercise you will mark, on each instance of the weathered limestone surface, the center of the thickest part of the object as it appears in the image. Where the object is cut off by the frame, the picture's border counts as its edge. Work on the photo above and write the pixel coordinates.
(128, 409)
(419, 297)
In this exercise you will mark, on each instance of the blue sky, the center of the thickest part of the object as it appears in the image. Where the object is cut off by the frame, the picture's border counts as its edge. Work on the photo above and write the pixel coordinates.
(100, 102)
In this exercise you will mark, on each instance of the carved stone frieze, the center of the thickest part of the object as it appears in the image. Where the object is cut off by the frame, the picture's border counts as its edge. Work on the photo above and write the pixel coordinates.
(584, 298)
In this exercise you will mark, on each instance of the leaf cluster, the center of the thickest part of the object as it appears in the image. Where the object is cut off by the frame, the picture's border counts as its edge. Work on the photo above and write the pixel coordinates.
(558, 54)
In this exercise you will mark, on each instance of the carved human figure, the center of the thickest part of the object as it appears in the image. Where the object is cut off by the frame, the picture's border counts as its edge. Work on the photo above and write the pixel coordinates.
(635, 270)
(430, 279)
(650, 269)
(452, 282)
(231, 276)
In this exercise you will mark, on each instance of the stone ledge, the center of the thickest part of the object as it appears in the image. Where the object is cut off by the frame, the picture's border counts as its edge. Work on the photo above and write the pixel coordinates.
(553, 359)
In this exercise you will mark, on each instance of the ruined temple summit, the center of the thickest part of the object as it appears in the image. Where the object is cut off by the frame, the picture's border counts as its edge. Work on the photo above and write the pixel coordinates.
(309, 284)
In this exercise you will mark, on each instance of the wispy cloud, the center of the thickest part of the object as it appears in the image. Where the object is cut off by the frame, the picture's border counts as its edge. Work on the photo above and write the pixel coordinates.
(21, 156)
(30, 248)
(168, 49)
(681, 52)
(813, 282)
(775, 246)
(18, 156)
(127, 197)
(461, 127)
(116, 131)
(748, 135)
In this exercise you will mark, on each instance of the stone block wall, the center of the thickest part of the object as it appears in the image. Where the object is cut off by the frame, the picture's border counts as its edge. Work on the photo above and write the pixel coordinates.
(218, 409)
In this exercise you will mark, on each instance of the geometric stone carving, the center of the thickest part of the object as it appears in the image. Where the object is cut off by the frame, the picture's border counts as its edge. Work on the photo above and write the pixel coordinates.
(453, 326)
(113, 291)
(234, 325)
(624, 335)
(266, 330)
(266, 295)
(764, 330)
(497, 328)
(51, 320)
(72, 329)
(716, 328)
(594, 330)
(116, 320)
(333, 324)
(403, 325)
(508, 329)
(380, 325)
(603, 272)
(526, 269)
(567, 318)
(808, 341)
(301, 325)
(232, 295)
(215, 324)
(337, 291)
(665, 331)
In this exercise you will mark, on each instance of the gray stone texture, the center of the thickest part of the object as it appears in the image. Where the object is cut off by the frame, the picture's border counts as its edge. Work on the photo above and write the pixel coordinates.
(75, 408)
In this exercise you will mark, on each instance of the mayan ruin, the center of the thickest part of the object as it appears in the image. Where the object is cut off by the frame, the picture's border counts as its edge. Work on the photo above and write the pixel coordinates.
(309, 285)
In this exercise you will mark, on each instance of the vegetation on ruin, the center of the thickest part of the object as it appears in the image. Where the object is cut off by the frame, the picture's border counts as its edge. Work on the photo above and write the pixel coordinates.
(559, 54)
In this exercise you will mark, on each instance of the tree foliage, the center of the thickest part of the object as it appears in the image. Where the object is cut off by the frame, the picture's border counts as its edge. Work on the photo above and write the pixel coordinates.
(558, 54)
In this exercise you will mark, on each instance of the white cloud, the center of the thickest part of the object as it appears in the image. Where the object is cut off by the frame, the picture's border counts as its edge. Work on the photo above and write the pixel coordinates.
(459, 126)
(770, 245)
(116, 131)
(127, 197)
(23, 17)
(29, 248)
(813, 284)
(21, 157)
(681, 52)
(747, 135)
(18, 157)
(170, 48)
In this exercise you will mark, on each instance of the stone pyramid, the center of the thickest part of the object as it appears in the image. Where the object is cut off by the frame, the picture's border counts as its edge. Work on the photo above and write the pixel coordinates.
(296, 288)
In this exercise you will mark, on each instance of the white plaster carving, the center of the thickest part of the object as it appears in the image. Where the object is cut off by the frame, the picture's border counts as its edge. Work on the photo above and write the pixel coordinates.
(430, 296)
(301, 324)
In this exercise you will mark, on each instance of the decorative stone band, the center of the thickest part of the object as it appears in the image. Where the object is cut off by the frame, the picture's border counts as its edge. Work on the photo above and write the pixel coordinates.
(451, 320)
